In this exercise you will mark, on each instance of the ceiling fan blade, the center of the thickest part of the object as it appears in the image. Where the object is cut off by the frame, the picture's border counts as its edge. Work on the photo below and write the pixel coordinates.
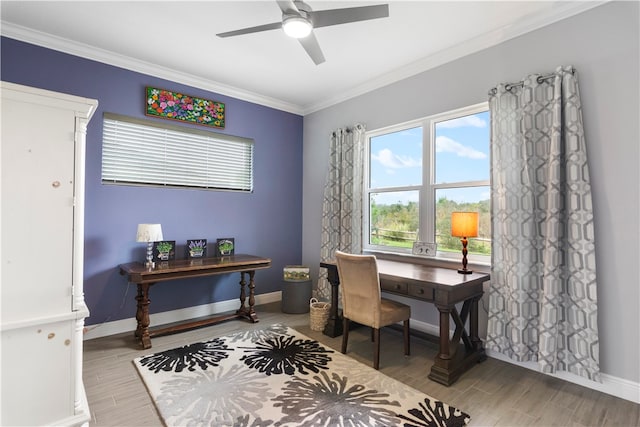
(265, 27)
(310, 44)
(325, 18)
(288, 6)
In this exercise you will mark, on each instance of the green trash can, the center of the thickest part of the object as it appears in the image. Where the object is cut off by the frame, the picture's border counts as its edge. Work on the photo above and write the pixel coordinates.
(296, 289)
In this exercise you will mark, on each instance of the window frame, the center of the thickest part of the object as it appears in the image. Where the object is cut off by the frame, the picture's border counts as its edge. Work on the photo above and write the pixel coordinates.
(426, 190)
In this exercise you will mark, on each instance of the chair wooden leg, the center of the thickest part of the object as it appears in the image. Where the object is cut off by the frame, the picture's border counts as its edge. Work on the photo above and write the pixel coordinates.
(407, 338)
(345, 334)
(376, 348)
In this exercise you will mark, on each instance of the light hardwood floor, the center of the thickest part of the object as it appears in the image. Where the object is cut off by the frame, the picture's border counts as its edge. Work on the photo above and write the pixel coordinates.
(494, 393)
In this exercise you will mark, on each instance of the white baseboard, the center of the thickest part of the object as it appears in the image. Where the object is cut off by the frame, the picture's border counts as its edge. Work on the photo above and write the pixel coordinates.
(614, 386)
(166, 317)
(427, 328)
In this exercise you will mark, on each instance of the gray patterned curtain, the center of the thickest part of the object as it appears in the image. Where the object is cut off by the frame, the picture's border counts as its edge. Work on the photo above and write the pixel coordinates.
(542, 299)
(342, 202)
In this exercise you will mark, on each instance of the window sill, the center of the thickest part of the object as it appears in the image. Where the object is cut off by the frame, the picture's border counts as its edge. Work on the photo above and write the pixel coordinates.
(430, 261)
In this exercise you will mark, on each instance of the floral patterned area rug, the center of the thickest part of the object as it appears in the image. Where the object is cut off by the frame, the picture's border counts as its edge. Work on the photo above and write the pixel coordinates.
(278, 377)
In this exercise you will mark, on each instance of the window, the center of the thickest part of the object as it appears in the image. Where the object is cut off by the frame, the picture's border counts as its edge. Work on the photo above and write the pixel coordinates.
(141, 152)
(418, 173)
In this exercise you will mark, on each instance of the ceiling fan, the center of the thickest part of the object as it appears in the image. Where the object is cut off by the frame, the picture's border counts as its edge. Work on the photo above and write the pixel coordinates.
(298, 21)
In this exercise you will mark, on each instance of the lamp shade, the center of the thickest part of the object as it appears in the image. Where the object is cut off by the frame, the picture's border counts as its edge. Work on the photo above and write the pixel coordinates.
(464, 224)
(149, 233)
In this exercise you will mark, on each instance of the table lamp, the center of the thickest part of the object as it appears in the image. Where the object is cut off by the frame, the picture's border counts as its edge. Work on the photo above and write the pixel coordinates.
(463, 225)
(149, 233)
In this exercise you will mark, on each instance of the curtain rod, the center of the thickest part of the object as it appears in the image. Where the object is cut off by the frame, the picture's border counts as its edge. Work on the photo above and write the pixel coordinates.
(539, 79)
(348, 129)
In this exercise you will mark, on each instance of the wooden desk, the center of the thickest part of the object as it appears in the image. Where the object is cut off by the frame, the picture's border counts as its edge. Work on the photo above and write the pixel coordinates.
(442, 287)
(183, 269)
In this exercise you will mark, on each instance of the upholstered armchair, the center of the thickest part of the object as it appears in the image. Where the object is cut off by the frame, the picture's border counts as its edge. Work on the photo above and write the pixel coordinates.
(362, 302)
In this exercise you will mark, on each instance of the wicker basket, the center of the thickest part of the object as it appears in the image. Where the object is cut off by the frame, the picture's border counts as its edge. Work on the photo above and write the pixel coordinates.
(318, 314)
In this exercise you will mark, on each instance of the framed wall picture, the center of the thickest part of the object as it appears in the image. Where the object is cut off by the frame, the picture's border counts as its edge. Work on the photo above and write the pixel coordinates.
(178, 106)
(196, 248)
(164, 250)
(225, 246)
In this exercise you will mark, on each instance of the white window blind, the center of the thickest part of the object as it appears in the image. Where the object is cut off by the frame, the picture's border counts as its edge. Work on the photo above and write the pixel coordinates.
(141, 152)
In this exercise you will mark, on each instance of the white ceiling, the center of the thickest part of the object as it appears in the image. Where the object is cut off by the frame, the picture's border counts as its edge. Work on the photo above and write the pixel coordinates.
(176, 40)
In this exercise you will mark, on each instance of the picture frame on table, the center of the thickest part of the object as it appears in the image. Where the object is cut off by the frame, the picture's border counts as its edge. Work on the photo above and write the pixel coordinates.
(164, 250)
(196, 248)
(225, 246)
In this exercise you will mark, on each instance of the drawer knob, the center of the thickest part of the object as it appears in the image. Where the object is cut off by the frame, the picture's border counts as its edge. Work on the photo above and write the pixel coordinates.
(421, 291)
(55, 184)
(397, 287)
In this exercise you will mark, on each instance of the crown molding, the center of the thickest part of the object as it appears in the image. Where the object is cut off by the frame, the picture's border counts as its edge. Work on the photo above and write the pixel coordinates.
(82, 50)
(562, 11)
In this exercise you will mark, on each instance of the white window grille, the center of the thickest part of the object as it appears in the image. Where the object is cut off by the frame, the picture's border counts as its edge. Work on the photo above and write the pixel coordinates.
(418, 172)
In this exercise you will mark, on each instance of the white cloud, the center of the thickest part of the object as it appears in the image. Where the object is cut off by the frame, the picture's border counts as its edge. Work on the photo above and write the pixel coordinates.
(472, 121)
(394, 161)
(448, 145)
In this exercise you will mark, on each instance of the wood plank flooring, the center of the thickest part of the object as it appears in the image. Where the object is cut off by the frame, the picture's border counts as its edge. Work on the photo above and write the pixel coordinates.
(494, 393)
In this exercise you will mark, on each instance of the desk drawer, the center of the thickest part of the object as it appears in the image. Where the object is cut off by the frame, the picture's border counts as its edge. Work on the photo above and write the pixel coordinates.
(393, 286)
(421, 291)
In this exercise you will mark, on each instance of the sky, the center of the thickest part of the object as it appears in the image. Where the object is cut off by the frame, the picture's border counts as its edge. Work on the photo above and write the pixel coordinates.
(461, 154)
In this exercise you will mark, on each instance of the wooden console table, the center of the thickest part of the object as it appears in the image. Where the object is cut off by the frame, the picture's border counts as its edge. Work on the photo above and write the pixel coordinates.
(444, 288)
(183, 269)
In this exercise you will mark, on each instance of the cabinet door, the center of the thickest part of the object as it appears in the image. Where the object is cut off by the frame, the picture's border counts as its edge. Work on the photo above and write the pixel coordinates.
(37, 210)
(37, 374)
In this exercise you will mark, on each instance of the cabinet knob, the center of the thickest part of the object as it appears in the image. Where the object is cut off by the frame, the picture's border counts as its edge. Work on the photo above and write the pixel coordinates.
(55, 184)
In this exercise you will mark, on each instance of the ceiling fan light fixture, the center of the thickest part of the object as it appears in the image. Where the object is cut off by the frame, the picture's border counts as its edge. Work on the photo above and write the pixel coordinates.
(297, 27)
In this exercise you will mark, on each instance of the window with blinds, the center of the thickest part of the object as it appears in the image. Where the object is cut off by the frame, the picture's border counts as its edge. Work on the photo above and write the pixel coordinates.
(140, 152)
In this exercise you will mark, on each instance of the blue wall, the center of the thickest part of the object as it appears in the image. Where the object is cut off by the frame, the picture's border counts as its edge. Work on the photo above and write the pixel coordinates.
(267, 222)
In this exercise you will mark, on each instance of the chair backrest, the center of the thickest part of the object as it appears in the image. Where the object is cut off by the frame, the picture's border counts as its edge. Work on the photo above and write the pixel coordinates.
(360, 286)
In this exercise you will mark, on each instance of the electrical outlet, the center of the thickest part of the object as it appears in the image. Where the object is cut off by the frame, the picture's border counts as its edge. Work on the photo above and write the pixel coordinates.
(424, 249)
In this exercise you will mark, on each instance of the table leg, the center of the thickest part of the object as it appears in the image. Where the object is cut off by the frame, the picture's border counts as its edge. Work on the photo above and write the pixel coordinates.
(473, 330)
(243, 295)
(252, 298)
(138, 332)
(334, 326)
(450, 363)
(444, 352)
(248, 312)
(142, 315)
(442, 369)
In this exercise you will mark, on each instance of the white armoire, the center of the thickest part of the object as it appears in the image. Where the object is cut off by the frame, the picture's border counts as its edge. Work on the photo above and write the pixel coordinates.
(42, 152)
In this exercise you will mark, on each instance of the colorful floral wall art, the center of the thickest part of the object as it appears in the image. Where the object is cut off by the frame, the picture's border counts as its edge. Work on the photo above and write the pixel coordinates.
(178, 106)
